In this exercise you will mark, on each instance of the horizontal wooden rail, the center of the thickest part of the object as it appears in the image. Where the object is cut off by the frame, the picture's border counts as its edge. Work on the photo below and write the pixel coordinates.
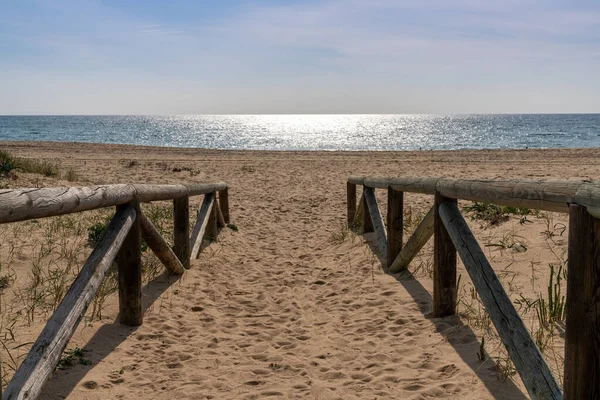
(536, 194)
(48, 348)
(23, 204)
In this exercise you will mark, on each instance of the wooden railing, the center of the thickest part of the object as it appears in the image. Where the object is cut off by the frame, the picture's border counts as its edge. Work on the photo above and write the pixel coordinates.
(121, 243)
(580, 199)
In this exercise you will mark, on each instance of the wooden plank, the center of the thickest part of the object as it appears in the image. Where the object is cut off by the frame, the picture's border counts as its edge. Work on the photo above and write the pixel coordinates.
(351, 201)
(129, 263)
(444, 264)
(414, 244)
(212, 228)
(360, 210)
(530, 364)
(201, 223)
(48, 348)
(224, 203)
(220, 217)
(181, 230)
(377, 221)
(23, 204)
(394, 225)
(582, 336)
(160, 247)
(367, 221)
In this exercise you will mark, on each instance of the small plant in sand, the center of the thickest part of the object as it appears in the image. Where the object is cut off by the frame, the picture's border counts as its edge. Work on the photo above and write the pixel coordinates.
(508, 241)
(73, 357)
(493, 214)
(9, 162)
(340, 235)
(552, 229)
(71, 175)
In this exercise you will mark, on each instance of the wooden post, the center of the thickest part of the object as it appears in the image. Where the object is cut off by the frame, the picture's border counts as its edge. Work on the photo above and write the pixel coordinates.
(129, 261)
(212, 230)
(367, 222)
(224, 203)
(351, 195)
(582, 336)
(444, 264)
(394, 225)
(181, 230)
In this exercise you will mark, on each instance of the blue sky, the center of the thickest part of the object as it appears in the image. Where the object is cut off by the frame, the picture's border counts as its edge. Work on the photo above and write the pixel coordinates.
(330, 56)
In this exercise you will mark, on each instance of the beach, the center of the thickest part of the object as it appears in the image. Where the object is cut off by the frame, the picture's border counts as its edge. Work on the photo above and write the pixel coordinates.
(291, 304)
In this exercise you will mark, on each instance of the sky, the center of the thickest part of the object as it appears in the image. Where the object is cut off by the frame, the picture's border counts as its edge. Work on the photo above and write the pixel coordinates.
(299, 56)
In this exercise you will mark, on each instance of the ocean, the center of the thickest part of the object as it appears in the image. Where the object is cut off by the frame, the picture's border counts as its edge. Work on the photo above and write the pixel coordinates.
(315, 132)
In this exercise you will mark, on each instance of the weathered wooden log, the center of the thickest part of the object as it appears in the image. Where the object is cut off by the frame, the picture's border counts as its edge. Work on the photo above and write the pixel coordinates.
(212, 228)
(378, 225)
(357, 180)
(149, 192)
(181, 230)
(530, 364)
(414, 244)
(201, 223)
(367, 221)
(414, 185)
(48, 348)
(203, 188)
(395, 224)
(224, 203)
(351, 201)
(444, 264)
(582, 336)
(553, 195)
(541, 195)
(23, 204)
(129, 262)
(588, 194)
(160, 247)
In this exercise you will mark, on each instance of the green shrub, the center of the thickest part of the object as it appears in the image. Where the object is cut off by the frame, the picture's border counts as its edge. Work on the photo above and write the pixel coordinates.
(494, 214)
(7, 162)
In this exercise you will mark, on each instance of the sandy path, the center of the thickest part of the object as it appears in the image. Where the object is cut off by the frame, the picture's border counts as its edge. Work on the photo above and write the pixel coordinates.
(278, 310)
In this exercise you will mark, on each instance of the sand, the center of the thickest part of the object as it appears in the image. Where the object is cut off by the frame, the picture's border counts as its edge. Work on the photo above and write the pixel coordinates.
(291, 306)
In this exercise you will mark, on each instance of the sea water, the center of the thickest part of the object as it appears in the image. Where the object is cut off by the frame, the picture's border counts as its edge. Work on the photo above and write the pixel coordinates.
(315, 132)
